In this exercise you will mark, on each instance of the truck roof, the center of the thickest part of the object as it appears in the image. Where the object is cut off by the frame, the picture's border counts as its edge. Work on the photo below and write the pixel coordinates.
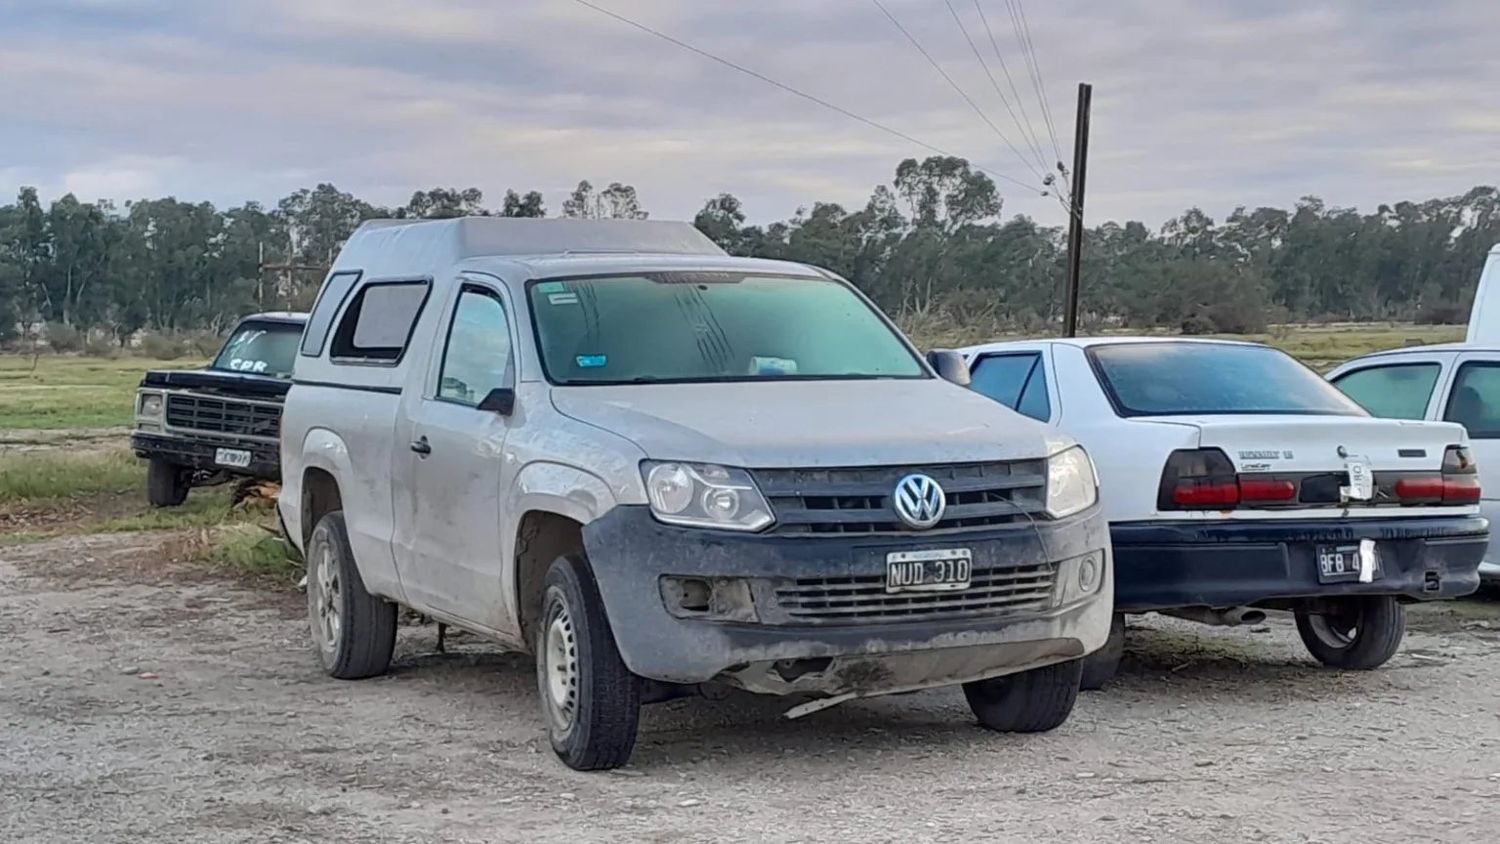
(288, 317)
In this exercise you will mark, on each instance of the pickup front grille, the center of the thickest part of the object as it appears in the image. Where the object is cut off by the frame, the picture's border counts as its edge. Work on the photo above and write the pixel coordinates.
(223, 416)
(858, 500)
(862, 598)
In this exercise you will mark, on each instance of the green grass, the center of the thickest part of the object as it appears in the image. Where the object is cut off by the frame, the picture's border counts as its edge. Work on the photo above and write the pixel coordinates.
(64, 391)
(249, 549)
(53, 474)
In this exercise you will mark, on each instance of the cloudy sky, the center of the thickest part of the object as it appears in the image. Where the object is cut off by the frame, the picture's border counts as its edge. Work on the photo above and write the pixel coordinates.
(1214, 103)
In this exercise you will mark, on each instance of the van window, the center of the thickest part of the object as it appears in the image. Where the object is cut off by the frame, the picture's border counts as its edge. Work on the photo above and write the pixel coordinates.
(330, 299)
(1475, 400)
(1394, 391)
(378, 323)
(477, 358)
(1017, 381)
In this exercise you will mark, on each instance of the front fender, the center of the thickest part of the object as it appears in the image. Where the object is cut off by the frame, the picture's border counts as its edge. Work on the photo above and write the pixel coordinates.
(562, 489)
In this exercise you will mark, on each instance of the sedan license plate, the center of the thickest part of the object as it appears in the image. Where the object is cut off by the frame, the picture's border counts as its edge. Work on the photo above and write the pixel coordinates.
(1340, 563)
(237, 458)
(940, 570)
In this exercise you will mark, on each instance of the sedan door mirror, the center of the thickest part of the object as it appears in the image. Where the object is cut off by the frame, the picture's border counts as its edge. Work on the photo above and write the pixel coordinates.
(501, 400)
(950, 366)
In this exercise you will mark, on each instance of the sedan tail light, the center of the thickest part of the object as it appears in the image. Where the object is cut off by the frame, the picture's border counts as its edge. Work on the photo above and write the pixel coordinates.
(1458, 483)
(1198, 479)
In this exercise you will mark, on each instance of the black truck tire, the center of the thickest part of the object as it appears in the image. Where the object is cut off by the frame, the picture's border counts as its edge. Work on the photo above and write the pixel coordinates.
(1101, 666)
(1362, 633)
(353, 631)
(590, 700)
(1032, 701)
(166, 483)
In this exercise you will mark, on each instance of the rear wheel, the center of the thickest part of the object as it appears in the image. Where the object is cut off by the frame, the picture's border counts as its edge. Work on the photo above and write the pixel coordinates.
(354, 631)
(1357, 634)
(167, 484)
(1101, 666)
(1032, 701)
(591, 701)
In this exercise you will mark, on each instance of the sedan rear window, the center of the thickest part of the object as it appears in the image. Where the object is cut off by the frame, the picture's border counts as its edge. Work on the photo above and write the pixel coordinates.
(1176, 379)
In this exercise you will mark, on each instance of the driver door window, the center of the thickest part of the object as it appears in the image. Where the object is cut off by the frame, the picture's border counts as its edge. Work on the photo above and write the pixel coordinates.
(478, 354)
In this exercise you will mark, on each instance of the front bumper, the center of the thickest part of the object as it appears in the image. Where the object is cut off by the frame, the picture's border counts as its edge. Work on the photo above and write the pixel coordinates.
(773, 651)
(1166, 565)
(197, 452)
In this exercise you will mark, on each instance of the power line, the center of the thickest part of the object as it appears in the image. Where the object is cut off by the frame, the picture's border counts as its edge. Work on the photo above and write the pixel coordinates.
(1009, 81)
(961, 92)
(1034, 70)
(994, 83)
(793, 91)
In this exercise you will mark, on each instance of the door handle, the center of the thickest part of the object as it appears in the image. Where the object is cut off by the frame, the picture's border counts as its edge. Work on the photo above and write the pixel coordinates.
(421, 446)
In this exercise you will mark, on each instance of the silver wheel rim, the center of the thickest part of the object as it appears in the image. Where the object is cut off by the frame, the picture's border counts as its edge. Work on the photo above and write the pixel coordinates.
(560, 667)
(324, 597)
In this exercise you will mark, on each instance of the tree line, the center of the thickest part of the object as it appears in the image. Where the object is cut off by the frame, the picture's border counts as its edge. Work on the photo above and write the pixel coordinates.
(932, 243)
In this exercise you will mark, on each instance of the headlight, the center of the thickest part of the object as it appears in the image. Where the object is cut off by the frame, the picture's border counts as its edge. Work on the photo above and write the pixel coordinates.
(705, 496)
(1071, 483)
(150, 405)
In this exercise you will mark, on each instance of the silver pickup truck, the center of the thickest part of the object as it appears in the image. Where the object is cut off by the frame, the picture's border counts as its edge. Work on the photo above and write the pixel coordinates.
(659, 468)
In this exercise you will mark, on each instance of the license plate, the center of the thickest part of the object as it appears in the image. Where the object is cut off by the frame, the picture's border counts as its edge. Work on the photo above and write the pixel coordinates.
(237, 458)
(1341, 563)
(941, 570)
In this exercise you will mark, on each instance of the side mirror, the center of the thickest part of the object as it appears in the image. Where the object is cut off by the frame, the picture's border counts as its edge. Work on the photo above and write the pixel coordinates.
(501, 400)
(950, 366)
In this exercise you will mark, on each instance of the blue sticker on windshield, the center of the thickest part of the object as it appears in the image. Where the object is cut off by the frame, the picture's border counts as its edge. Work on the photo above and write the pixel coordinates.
(591, 361)
(550, 287)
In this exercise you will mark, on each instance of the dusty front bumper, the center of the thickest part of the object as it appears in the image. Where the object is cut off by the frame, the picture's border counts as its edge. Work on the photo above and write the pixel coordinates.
(747, 635)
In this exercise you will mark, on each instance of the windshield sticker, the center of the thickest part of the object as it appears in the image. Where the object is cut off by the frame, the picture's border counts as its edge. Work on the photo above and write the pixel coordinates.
(772, 366)
(247, 365)
(591, 361)
(550, 287)
(563, 298)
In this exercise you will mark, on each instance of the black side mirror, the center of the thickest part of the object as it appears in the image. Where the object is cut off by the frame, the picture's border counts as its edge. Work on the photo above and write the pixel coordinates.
(950, 366)
(501, 400)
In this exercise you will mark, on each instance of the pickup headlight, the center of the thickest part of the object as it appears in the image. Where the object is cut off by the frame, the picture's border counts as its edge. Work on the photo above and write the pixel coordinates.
(705, 496)
(1072, 484)
(149, 405)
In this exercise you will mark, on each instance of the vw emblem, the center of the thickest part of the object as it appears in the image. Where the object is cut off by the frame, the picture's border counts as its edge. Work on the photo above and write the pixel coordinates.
(919, 501)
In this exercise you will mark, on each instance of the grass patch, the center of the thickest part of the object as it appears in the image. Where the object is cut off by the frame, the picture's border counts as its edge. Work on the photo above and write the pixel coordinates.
(203, 508)
(34, 476)
(63, 391)
(248, 549)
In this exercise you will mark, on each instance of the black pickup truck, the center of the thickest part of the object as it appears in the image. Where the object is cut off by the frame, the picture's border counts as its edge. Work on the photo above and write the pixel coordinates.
(205, 426)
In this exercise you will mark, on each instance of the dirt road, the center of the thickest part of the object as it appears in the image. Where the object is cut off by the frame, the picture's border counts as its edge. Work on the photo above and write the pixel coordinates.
(139, 703)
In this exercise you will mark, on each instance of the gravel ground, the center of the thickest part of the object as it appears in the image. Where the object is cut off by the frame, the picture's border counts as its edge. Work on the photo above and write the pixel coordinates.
(142, 703)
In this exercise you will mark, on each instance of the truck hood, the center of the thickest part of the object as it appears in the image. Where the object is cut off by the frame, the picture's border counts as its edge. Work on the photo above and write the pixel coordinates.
(219, 381)
(798, 424)
(1280, 443)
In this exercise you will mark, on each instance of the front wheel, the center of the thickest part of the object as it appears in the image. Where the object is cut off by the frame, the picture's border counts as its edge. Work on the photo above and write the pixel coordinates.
(591, 701)
(1356, 634)
(166, 483)
(1032, 701)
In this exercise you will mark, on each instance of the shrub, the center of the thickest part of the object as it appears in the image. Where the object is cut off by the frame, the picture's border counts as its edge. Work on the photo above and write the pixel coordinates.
(63, 338)
(100, 345)
(1442, 313)
(162, 346)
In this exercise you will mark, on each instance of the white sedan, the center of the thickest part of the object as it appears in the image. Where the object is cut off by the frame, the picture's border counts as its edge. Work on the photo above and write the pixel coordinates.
(1236, 480)
(1453, 382)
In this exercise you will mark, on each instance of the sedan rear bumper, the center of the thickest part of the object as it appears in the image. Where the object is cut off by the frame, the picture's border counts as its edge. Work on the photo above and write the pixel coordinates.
(1166, 565)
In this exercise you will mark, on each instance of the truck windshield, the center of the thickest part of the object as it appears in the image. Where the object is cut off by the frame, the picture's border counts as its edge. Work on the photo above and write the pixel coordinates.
(262, 348)
(712, 326)
(1175, 379)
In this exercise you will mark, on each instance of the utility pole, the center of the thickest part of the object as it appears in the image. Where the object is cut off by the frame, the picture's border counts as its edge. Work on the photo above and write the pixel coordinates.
(284, 271)
(1075, 204)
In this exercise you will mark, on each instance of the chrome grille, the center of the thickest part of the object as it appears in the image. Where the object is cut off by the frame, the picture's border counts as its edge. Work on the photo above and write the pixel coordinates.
(862, 598)
(223, 416)
(858, 500)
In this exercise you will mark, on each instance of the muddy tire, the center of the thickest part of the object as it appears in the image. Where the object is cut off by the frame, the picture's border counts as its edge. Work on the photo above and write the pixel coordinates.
(1101, 666)
(1032, 701)
(166, 483)
(590, 700)
(1357, 634)
(353, 632)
